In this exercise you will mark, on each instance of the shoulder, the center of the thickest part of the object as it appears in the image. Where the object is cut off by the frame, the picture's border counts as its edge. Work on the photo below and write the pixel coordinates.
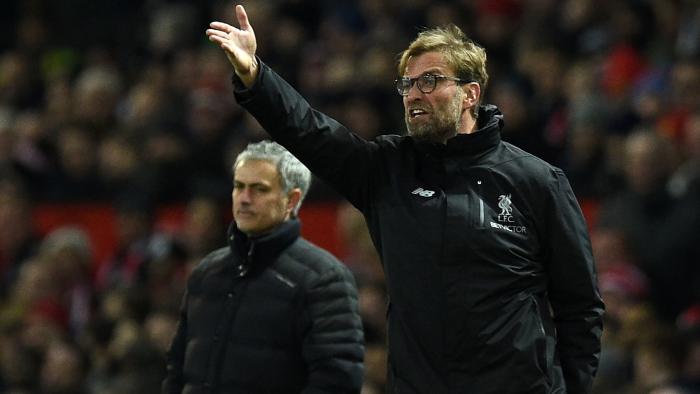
(212, 260)
(309, 263)
(396, 149)
(390, 139)
(395, 142)
(527, 164)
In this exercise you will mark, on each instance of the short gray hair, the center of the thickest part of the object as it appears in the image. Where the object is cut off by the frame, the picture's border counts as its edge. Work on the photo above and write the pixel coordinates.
(293, 174)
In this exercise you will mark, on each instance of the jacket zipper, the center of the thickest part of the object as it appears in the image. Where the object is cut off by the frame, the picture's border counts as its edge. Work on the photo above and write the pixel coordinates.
(481, 204)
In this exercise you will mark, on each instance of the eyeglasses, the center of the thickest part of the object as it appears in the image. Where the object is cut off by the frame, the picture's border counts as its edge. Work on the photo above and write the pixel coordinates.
(426, 83)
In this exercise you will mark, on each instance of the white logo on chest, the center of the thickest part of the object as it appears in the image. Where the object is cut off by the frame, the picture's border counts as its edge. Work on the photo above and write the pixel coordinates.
(506, 216)
(505, 203)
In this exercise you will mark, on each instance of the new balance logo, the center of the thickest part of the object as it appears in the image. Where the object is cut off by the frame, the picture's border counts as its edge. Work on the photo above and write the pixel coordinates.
(423, 193)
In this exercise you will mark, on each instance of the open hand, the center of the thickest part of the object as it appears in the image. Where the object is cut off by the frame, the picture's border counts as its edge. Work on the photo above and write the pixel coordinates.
(239, 44)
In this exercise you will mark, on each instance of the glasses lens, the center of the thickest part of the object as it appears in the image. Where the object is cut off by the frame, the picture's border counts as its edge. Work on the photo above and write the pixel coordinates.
(426, 83)
(403, 85)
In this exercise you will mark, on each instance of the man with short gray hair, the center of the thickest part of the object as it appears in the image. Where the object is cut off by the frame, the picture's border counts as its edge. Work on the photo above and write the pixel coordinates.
(271, 312)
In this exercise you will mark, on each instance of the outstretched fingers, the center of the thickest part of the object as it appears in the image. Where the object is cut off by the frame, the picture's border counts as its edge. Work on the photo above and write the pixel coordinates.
(238, 44)
(221, 26)
(212, 33)
(219, 40)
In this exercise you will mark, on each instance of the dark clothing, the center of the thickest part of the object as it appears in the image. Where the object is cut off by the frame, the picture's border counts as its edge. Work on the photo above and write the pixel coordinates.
(479, 240)
(11, 263)
(273, 314)
(662, 233)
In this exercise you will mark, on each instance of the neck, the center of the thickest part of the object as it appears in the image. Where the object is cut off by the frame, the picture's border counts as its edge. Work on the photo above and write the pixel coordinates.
(468, 125)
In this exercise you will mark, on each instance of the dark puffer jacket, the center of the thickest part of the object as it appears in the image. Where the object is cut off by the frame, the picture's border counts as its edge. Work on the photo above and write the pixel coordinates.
(273, 314)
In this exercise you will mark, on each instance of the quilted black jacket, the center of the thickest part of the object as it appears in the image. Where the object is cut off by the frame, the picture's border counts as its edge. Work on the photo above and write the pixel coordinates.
(273, 314)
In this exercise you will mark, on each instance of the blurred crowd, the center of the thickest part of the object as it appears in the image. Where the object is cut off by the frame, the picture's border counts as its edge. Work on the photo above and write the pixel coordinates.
(126, 103)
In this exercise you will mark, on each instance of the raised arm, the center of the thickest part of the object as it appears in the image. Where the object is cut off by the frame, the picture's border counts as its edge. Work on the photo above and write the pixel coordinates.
(239, 44)
(333, 153)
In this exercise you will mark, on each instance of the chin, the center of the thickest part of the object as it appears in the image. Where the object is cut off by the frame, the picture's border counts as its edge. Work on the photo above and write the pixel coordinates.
(246, 228)
(431, 136)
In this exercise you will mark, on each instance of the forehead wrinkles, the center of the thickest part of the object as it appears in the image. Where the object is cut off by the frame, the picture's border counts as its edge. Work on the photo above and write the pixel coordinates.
(257, 171)
(426, 62)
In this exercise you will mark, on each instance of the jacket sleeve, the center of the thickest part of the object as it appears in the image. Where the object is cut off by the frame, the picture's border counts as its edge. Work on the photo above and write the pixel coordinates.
(173, 382)
(573, 289)
(344, 160)
(333, 342)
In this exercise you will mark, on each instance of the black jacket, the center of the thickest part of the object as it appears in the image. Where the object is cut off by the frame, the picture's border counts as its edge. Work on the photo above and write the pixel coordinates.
(273, 314)
(486, 253)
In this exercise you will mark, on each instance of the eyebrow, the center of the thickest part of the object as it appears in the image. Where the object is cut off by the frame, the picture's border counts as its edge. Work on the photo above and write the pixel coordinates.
(236, 181)
(430, 71)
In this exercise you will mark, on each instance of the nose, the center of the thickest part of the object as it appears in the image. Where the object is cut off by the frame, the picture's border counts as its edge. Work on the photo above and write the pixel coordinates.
(243, 195)
(413, 92)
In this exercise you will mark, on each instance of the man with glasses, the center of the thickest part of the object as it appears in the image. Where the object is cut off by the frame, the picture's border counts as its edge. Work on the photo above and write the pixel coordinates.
(487, 258)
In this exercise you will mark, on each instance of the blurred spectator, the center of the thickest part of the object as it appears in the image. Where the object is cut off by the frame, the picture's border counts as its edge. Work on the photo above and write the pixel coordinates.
(165, 273)
(160, 328)
(624, 289)
(588, 119)
(128, 264)
(63, 370)
(19, 83)
(685, 181)
(119, 164)
(360, 254)
(689, 377)
(204, 226)
(32, 287)
(644, 207)
(18, 241)
(655, 365)
(68, 254)
(523, 128)
(141, 367)
(19, 366)
(95, 97)
(171, 26)
(31, 151)
(76, 176)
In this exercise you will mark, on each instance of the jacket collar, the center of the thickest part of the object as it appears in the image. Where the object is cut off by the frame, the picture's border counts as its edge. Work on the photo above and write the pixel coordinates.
(258, 252)
(487, 136)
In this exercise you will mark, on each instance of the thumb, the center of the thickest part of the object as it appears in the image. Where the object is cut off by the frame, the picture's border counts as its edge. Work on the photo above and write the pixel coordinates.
(242, 17)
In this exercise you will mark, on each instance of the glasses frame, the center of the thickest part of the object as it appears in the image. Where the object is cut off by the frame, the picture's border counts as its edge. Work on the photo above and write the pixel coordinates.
(419, 81)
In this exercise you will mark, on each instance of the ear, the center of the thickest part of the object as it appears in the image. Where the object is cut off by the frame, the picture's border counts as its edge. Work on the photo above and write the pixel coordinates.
(293, 198)
(472, 94)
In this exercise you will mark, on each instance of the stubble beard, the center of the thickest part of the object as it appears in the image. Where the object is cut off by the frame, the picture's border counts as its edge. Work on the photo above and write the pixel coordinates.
(443, 126)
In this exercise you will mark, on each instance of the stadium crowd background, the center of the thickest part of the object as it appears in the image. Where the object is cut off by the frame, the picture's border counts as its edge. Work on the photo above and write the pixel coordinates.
(115, 114)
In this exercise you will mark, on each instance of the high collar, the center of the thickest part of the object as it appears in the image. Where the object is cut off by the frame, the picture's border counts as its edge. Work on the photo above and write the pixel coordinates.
(487, 136)
(258, 252)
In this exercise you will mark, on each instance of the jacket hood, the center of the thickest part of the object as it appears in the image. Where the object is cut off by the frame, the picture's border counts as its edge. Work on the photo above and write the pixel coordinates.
(487, 136)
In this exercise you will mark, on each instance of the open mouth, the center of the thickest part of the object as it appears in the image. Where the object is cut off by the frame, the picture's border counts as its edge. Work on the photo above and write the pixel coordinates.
(417, 112)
